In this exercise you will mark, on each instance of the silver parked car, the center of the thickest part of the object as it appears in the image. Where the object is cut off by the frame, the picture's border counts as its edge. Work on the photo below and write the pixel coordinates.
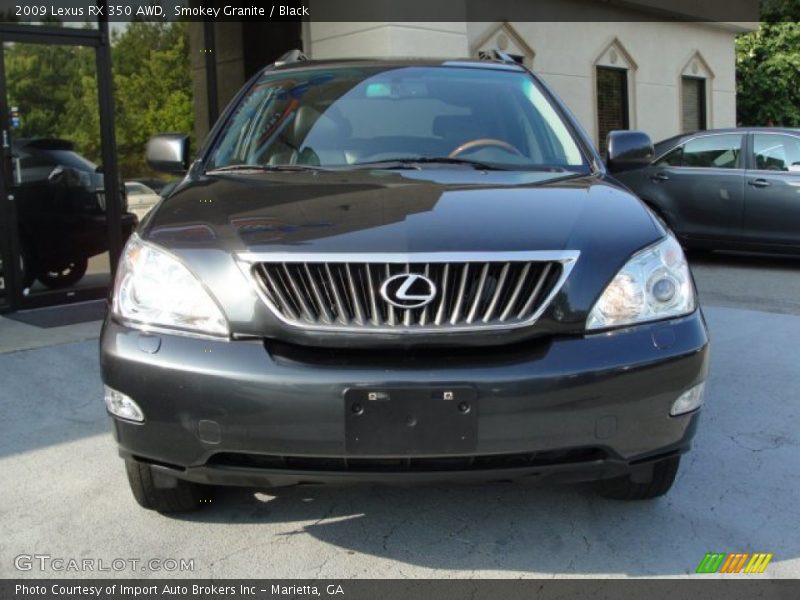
(141, 198)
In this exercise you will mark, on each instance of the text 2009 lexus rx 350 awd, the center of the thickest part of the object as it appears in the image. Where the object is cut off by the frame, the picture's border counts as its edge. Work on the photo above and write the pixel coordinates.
(400, 271)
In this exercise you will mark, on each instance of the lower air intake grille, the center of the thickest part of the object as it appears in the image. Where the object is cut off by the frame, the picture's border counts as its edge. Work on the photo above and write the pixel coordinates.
(408, 464)
(429, 295)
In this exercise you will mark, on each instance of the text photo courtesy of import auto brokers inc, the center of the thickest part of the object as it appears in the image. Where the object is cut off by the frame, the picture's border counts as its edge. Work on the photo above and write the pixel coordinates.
(399, 299)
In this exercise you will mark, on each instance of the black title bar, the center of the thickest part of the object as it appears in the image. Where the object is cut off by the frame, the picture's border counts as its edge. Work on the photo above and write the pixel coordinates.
(733, 588)
(83, 11)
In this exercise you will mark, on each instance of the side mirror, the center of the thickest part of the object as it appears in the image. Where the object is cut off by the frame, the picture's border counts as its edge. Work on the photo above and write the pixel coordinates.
(628, 150)
(67, 176)
(168, 152)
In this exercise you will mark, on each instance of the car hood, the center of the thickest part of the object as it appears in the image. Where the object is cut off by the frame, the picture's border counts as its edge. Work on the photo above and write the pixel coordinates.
(399, 211)
(210, 220)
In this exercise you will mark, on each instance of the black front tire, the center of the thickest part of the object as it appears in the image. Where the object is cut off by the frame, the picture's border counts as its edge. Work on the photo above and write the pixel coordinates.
(65, 275)
(630, 487)
(165, 493)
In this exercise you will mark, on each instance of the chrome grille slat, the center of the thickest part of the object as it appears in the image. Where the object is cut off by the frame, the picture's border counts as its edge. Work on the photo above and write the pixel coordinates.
(515, 294)
(498, 290)
(355, 302)
(299, 296)
(423, 316)
(372, 292)
(275, 289)
(460, 294)
(389, 308)
(472, 292)
(407, 313)
(342, 313)
(440, 313)
(341, 284)
(473, 311)
(535, 293)
(324, 311)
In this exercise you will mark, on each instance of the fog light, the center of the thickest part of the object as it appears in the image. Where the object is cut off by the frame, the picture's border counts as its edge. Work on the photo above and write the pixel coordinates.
(688, 401)
(122, 406)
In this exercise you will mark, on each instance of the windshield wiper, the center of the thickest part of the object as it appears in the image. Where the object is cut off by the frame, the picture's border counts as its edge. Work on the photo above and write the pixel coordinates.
(267, 168)
(412, 163)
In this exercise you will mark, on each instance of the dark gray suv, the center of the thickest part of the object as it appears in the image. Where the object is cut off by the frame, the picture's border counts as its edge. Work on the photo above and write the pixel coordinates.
(400, 271)
(726, 189)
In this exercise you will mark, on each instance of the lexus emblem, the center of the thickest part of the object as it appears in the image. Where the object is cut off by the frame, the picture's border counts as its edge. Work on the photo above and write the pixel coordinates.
(408, 290)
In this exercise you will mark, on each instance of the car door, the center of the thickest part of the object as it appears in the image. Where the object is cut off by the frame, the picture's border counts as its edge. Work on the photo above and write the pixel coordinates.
(772, 193)
(698, 186)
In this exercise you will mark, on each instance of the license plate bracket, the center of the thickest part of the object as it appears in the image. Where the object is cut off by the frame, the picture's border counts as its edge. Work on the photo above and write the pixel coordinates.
(411, 421)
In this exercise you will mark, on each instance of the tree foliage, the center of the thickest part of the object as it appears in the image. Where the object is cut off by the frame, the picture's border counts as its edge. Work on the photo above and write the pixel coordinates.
(153, 87)
(768, 68)
(45, 83)
(55, 89)
(773, 11)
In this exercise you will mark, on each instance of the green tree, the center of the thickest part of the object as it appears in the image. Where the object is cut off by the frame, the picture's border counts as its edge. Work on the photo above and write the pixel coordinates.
(780, 10)
(152, 88)
(43, 80)
(55, 89)
(768, 68)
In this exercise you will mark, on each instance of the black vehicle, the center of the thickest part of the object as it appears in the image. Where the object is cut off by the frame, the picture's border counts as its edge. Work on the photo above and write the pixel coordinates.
(400, 271)
(60, 202)
(732, 189)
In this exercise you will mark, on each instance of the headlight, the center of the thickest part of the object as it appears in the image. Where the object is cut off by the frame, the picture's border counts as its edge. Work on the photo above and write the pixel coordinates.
(654, 284)
(154, 288)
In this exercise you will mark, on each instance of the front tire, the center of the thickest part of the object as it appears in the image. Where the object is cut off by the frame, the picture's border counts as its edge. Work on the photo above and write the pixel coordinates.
(65, 275)
(165, 493)
(630, 487)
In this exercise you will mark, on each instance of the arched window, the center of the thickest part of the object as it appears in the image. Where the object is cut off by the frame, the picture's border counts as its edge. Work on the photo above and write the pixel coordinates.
(695, 92)
(614, 71)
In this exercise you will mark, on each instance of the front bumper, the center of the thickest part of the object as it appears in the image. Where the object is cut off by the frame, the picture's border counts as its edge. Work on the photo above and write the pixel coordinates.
(256, 414)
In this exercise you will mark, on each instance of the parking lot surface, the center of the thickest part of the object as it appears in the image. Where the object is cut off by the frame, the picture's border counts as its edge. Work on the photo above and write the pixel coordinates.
(65, 494)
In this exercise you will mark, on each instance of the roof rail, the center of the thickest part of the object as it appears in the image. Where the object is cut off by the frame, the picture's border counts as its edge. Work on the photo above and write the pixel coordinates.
(496, 55)
(290, 57)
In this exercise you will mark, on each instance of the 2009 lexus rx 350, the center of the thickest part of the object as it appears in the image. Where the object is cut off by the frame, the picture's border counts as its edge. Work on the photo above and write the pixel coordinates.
(400, 271)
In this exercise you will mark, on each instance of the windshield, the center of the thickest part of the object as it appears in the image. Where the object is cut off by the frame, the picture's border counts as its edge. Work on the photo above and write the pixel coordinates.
(345, 117)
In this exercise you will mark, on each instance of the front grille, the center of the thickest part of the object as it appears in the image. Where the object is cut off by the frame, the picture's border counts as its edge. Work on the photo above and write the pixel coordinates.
(407, 464)
(466, 294)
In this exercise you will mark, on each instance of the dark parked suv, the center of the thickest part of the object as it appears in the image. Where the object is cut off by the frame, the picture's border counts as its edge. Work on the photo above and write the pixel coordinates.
(61, 208)
(400, 271)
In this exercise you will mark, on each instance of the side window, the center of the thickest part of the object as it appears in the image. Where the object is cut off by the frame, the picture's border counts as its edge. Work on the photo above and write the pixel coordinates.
(672, 159)
(713, 151)
(776, 152)
(34, 167)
